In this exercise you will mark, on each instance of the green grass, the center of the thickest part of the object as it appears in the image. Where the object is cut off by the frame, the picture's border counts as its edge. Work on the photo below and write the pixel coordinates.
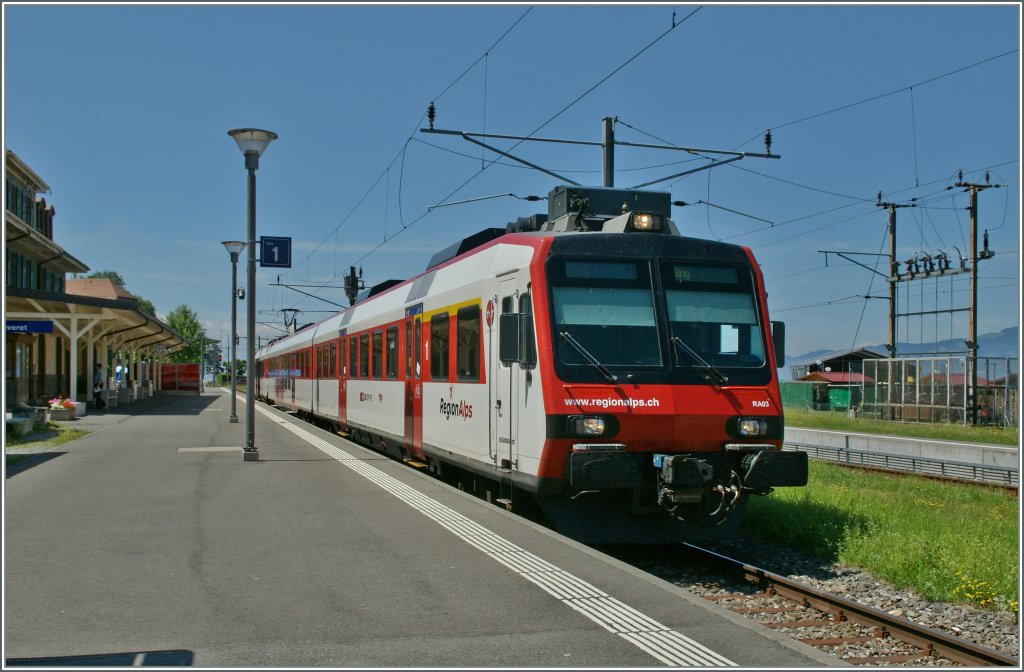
(943, 431)
(50, 433)
(949, 542)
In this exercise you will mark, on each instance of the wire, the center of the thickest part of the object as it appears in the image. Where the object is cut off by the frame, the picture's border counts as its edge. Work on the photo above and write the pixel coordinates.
(402, 152)
(536, 130)
(867, 296)
(604, 79)
(882, 95)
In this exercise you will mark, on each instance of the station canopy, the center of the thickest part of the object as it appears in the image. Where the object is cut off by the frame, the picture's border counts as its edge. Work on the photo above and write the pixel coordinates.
(93, 309)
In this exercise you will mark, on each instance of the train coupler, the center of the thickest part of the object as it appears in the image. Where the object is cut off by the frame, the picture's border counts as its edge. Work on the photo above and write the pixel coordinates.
(689, 490)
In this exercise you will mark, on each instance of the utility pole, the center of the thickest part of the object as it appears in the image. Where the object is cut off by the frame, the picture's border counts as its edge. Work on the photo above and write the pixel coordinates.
(608, 152)
(894, 273)
(972, 342)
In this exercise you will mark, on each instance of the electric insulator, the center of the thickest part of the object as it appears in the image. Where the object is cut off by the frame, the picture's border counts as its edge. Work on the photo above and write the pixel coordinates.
(431, 114)
(768, 141)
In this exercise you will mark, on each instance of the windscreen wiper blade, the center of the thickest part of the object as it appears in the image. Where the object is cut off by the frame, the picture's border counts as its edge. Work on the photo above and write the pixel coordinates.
(609, 376)
(715, 373)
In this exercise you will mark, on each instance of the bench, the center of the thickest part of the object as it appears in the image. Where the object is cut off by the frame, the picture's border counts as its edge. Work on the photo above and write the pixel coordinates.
(17, 424)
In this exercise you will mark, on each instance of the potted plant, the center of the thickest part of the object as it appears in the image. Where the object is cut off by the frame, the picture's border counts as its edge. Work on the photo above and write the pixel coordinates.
(62, 409)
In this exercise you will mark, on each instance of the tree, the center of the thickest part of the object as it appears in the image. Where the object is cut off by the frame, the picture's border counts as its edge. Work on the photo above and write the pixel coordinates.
(185, 321)
(144, 305)
(109, 275)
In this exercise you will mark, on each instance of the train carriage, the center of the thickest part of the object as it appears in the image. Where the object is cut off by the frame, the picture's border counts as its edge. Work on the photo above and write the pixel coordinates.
(592, 363)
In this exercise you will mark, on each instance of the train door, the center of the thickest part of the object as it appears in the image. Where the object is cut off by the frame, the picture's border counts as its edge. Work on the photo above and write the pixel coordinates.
(293, 377)
(316, 373)
(414, 380)
(342, 369)
(504, 425)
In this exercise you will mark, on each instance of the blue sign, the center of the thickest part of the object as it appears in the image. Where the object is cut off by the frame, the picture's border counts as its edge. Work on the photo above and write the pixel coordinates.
(29, 327)
(275, 251)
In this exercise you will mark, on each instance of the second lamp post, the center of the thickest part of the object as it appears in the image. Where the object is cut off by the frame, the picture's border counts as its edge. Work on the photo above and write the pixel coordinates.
(234, 248)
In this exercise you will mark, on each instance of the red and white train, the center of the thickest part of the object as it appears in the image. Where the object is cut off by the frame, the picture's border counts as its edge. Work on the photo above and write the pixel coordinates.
(592, 364)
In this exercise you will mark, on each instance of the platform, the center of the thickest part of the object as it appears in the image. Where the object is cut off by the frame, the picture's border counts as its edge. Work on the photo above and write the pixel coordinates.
(151, 541)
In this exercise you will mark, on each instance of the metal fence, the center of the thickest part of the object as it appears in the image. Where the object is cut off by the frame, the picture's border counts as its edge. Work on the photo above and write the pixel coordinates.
(936, 389)
(961, 471)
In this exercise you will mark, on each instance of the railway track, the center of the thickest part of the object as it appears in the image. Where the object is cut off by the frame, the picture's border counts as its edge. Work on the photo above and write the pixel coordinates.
(839, 625)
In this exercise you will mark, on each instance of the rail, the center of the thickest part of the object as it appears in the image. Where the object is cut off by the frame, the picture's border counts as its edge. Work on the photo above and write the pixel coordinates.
(928, 640)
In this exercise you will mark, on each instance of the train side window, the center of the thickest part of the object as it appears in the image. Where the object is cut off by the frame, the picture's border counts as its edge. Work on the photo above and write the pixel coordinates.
(353, 356)
(391, 369)
(333, 364)
(364, 356)
(378, 353)
(439, 339)
(526, 342)
(467, 347)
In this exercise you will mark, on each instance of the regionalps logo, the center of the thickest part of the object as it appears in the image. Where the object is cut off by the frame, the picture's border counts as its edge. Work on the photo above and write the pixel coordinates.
(461, 409)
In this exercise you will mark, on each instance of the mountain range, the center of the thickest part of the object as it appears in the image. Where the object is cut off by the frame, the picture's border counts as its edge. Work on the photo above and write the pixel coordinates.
(1000, 344)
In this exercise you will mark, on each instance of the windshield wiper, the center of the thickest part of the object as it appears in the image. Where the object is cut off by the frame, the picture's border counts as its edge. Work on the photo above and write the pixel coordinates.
(715, 373)
(609, 376)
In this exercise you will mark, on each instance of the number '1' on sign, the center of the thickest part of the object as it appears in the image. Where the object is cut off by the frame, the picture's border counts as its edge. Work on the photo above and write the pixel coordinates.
(276, 251)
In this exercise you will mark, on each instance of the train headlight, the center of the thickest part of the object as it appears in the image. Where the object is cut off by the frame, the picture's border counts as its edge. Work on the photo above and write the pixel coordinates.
(752, 427)
(645, 221)
(584, 425)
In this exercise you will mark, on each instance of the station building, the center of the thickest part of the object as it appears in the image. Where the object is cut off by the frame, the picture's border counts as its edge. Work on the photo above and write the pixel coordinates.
(58, 329)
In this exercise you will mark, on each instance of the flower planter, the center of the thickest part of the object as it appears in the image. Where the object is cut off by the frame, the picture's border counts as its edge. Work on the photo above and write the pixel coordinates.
(80, 409)
(62, 414)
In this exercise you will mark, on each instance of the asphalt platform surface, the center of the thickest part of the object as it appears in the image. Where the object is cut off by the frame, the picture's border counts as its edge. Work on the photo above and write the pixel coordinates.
(150, 541)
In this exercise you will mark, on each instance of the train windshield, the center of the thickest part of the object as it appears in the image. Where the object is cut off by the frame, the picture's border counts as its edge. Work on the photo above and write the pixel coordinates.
(604, 311)
(711, 310)
(655, 320)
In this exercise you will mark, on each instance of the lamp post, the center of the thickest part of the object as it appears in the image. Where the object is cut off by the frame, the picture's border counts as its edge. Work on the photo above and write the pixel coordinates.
(234, 248)
(252, 142)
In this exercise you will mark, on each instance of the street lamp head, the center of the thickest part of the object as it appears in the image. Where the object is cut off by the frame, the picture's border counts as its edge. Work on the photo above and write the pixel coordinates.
(252, 140)
(234, 247)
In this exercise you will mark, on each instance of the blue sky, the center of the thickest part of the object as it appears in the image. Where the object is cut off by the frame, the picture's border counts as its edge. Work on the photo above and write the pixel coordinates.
(124, 112)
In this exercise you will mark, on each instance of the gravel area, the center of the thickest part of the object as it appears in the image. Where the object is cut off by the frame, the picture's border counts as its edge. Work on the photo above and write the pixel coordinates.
(996, 630)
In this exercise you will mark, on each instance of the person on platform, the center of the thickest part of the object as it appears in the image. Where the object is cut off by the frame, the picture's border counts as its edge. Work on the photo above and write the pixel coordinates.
(97, 387)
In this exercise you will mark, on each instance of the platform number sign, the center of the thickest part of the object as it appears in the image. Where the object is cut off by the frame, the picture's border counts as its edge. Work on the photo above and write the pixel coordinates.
(275, 251)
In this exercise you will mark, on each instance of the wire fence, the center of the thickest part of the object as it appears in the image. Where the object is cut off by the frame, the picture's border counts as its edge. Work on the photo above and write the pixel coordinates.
(938, 389)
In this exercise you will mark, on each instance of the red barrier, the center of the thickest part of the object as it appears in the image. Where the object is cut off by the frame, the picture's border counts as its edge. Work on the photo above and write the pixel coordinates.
(179, 377)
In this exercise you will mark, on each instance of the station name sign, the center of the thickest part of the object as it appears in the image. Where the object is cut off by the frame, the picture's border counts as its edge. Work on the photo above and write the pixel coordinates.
(29, 327)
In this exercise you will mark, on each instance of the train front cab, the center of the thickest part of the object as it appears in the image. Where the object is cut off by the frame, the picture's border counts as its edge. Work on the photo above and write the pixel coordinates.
(663, 412)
